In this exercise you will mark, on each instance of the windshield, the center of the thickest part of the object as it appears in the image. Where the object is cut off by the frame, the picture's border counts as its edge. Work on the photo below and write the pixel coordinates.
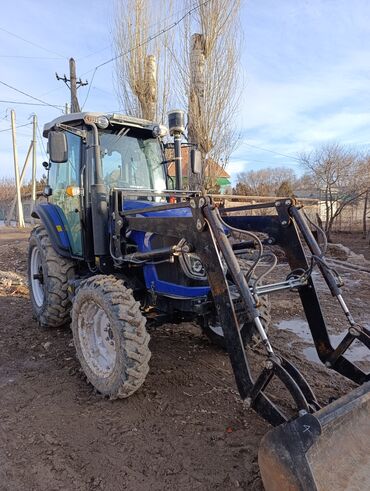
(132, 160)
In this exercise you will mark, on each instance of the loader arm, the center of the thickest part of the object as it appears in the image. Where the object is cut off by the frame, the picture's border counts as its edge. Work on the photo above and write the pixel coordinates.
(206, 231)
(300, 454)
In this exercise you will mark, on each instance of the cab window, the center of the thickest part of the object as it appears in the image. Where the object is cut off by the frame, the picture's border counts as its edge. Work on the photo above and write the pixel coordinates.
(60, 177)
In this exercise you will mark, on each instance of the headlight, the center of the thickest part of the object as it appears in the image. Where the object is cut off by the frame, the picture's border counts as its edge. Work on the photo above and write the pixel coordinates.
(102, 122)
(159, 131)
(192, 266)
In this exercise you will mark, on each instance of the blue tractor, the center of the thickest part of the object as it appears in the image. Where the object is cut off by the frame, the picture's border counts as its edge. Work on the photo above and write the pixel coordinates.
(119, 243)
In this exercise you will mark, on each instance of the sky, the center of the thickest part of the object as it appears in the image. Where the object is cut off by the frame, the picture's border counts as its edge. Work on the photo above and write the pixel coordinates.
(305, 69)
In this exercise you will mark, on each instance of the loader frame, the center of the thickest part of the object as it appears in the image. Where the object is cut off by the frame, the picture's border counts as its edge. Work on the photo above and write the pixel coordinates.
(205, 229)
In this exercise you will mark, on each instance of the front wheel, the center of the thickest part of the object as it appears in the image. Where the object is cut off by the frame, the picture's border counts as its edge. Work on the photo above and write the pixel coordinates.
(48, 278)
(110, 336)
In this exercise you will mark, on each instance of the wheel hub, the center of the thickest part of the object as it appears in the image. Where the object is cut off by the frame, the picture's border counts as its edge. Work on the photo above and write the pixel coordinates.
(37, 277)
(97, 339)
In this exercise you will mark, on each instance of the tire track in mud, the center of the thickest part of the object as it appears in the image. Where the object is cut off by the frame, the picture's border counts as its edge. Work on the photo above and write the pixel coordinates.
(157, 439)
(186, 428)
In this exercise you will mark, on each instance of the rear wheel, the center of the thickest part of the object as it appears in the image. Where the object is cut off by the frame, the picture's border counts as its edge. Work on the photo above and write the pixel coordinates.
(110, 336)
(48, 278)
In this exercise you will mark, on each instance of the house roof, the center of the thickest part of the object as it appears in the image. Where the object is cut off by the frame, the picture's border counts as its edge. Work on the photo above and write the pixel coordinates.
(212, 168)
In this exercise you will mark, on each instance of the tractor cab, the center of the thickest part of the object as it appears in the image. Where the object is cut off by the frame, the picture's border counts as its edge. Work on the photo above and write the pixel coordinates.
(91, 154)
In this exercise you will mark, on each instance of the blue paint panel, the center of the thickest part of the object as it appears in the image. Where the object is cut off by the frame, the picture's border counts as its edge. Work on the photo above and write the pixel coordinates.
(57, 217)
(150, 272)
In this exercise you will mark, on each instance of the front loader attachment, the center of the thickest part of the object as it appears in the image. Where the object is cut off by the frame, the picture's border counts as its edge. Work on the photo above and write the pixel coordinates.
(322, 449)
(325, 451)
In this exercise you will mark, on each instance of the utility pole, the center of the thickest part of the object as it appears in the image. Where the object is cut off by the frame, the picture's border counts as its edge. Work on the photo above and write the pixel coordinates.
(73, 81)
(16, 172)
(73, 84)
(34, 136)
(14, 202)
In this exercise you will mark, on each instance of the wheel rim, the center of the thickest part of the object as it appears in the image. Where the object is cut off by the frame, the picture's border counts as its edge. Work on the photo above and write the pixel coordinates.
(214, 324)
(217, 329)
(36, 273)
(96, 339)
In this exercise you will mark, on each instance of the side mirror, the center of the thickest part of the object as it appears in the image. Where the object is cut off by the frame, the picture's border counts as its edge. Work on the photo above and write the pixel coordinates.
(195, 161)
(58, 148)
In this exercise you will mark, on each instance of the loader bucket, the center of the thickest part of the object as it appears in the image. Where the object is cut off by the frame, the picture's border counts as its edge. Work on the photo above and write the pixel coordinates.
(325, 451)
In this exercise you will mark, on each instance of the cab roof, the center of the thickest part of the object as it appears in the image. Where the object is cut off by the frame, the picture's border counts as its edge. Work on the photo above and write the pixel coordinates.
(114, 118)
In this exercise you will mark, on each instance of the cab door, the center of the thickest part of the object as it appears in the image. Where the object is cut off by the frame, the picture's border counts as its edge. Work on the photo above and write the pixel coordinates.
(61, 177)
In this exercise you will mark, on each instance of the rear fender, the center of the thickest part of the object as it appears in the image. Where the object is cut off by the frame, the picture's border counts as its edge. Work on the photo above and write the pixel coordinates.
(53, 220)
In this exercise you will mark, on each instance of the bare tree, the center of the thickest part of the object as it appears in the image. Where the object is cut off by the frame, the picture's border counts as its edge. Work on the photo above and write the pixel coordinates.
(365, 214)
(7, 193)
(277, 181)
(7, 188)
(337, 173)
(141, 63)
(206, 62)
(203, 61)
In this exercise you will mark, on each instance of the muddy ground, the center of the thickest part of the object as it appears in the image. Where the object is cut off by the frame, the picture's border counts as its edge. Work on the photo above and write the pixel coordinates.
(185, 429)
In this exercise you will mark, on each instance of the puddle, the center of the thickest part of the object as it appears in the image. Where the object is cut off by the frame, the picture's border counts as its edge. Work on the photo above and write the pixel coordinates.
(357, 351)
(349, 282)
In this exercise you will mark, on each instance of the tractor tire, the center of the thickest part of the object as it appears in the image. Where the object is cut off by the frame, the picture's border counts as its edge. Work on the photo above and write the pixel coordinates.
(110, 336)
(49, 290)
(248, 331)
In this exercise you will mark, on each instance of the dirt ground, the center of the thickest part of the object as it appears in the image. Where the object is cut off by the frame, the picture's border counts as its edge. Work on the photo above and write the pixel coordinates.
(355, 241)
(185, 429)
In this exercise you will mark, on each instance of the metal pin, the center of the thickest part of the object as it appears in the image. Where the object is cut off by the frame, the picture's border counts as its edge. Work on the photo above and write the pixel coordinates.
(263, 335)
(345, 310)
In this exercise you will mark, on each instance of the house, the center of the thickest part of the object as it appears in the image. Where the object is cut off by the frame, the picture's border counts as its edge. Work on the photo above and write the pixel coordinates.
(213, 171)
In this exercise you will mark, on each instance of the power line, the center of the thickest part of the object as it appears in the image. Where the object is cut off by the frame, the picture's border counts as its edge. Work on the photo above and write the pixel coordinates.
(146, 41)
(154, 36)
(27, 103)
(31, 42)
(31, 96)
(96, 52)
(268, 163)
(271, 151)
(50, 91)
(30, 57)
(20, 126)
(150, 38)
(88, 91)
(100, 50)
(41, 141)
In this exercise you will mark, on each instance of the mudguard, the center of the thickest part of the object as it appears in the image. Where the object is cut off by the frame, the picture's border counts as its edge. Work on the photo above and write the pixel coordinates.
(53, 220)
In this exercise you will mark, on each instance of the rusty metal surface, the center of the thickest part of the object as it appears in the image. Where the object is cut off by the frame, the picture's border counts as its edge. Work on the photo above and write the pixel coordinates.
(340, 459)
(327, 451)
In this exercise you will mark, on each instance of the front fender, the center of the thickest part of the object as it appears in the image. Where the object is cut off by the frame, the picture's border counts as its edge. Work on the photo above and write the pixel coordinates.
(53, 220)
